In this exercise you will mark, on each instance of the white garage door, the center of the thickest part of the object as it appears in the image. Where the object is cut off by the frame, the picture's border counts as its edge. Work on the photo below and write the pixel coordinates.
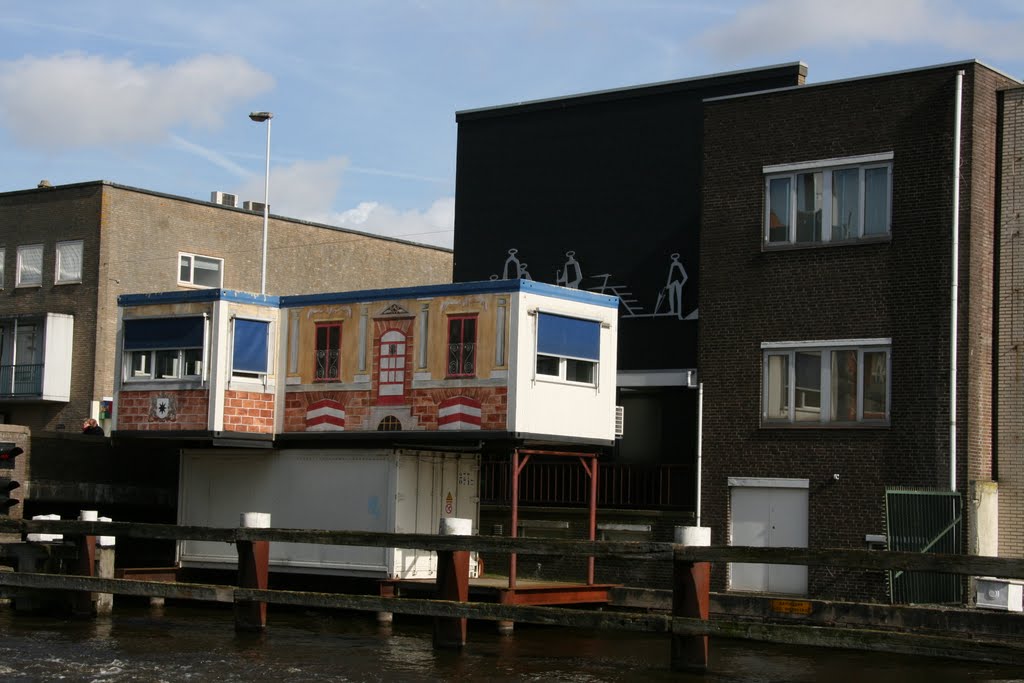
(768, 513)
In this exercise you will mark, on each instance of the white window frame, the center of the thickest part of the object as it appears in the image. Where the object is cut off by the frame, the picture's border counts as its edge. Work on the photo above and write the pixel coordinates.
(826, 167)
(825, 348)
(563, 364)
(22, 249)
(149, 356)
(57, 262)
(192, 268)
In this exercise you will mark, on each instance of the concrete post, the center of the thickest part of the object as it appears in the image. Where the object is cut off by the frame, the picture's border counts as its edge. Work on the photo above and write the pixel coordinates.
(691, 585)
(452, 584)
(82, 601)
(105, 570)
(253, 572)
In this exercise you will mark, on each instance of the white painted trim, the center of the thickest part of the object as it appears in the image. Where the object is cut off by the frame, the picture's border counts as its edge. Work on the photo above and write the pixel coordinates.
(655, 378)
(829, 163)
(770, 482)
(825, 343)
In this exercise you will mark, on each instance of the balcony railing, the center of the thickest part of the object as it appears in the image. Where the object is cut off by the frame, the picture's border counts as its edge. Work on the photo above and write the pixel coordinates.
(565, 483)
(21, 380)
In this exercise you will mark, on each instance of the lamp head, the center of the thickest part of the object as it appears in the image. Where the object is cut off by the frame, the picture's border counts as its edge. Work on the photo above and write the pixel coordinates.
(261, 116)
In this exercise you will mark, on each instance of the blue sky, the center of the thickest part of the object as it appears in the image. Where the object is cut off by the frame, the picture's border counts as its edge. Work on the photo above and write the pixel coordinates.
(157, 94)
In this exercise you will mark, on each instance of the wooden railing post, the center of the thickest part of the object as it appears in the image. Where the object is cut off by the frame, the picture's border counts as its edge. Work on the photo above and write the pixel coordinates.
(105, 569)
(82, 601)
(452, 584)
(691, 585)
(253, 572)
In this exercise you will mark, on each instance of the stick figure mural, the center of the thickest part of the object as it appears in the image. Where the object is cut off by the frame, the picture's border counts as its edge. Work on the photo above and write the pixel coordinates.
(571, 270)
(668, 302)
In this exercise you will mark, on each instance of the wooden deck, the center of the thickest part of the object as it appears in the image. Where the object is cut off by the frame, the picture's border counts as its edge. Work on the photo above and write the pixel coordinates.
(493, 588)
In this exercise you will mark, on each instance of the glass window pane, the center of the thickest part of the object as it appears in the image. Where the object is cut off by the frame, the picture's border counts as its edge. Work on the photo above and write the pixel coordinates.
(140, 364)
(166, 364)
(808, 207)
(875, 385)
(845, 203)
(185, 269)
(807, 394)
(778, 210)
(30, 265)
(580, 370)
(69, 261)
(3, 257)
(193, 362)
(844, 386)
(547, 365)
(206, 272)
(778, 387)
(876, 201)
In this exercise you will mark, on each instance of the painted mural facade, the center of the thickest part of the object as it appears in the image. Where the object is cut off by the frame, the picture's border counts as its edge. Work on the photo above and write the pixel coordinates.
(497, 357)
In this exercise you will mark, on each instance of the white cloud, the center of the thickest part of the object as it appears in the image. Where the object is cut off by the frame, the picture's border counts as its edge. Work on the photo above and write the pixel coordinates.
(779, 26)
(308, 190)
(434, 226)
(76, 100)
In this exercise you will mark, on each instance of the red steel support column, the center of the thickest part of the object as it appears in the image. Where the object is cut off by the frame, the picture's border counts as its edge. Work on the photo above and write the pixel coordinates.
(691, 585)
(253, 572)
(592, 471)
(452, 584)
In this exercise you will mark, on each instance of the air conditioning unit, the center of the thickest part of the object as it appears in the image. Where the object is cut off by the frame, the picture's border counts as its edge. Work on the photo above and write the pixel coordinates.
(1001, 594)
(620, 421)
(253, 206)
(224, 199)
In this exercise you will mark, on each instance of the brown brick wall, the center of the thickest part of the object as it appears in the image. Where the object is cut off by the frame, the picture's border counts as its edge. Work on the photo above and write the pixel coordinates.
(1010, 355)
(248, 411)
(135, 411)
(898, 289)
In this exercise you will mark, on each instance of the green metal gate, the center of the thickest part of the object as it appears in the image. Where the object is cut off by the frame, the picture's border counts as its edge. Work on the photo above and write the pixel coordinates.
(924, 522)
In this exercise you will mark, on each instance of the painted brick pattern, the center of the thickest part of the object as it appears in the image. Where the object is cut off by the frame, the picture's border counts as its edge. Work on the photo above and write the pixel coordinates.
(249, 411)
(135, 411)
(898, 289)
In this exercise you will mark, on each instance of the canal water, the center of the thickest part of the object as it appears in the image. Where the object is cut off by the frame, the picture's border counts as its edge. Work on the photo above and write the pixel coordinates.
(184, 643)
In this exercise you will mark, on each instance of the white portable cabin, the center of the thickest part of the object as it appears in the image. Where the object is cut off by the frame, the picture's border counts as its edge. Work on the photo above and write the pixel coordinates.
(375, 490)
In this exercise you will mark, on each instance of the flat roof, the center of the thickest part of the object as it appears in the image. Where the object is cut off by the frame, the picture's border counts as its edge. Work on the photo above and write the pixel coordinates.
(190, 200)
(660, 87)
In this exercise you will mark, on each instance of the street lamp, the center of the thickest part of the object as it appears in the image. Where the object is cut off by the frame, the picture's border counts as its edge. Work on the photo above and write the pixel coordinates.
(260, 117)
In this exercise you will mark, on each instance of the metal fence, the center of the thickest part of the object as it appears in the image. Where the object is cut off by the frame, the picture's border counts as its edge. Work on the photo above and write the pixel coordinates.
(565, 483)
(924, 522)
(21, 380)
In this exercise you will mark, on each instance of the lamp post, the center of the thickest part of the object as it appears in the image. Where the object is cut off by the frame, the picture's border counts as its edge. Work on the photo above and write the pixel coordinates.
(260, 117)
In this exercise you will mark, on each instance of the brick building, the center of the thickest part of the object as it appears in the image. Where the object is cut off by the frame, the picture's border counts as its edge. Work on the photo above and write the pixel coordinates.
(67, 252)
(826, 289)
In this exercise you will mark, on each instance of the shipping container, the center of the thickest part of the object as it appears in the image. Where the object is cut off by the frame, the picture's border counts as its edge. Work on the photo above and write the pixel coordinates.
(377, 490)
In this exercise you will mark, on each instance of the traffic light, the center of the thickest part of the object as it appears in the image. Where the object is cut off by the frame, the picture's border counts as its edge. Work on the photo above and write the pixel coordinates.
(6, 502)
(8, 452)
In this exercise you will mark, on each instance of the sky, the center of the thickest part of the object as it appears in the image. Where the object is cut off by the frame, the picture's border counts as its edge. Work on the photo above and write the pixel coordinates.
(364, 93)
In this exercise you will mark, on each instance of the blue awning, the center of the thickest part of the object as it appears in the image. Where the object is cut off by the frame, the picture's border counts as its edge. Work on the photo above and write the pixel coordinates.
(559, 335)
(163, 333)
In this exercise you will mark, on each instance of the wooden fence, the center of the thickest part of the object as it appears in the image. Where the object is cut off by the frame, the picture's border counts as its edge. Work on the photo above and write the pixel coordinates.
(685, 625)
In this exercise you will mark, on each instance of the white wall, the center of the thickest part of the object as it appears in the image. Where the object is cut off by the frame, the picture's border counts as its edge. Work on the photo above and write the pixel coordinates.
(543, 406)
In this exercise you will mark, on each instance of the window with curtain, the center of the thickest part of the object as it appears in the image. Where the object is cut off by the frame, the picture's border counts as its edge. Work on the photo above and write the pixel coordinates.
(163, 348)
(249, 357)
(69, 262)
(839, 200)
(568, 349)
(830, 383)
(30, 265)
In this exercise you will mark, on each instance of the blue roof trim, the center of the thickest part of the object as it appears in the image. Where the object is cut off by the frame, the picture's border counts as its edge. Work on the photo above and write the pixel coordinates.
(454, 289)
(198, 295)
(367, 295)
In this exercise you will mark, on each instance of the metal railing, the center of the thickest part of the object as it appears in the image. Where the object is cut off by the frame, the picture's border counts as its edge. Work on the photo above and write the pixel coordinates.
(564, 483)
(21, 380)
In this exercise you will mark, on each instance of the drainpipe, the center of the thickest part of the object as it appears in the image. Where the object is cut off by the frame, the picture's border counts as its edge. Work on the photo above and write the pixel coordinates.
(955, 278)
(700, 440)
